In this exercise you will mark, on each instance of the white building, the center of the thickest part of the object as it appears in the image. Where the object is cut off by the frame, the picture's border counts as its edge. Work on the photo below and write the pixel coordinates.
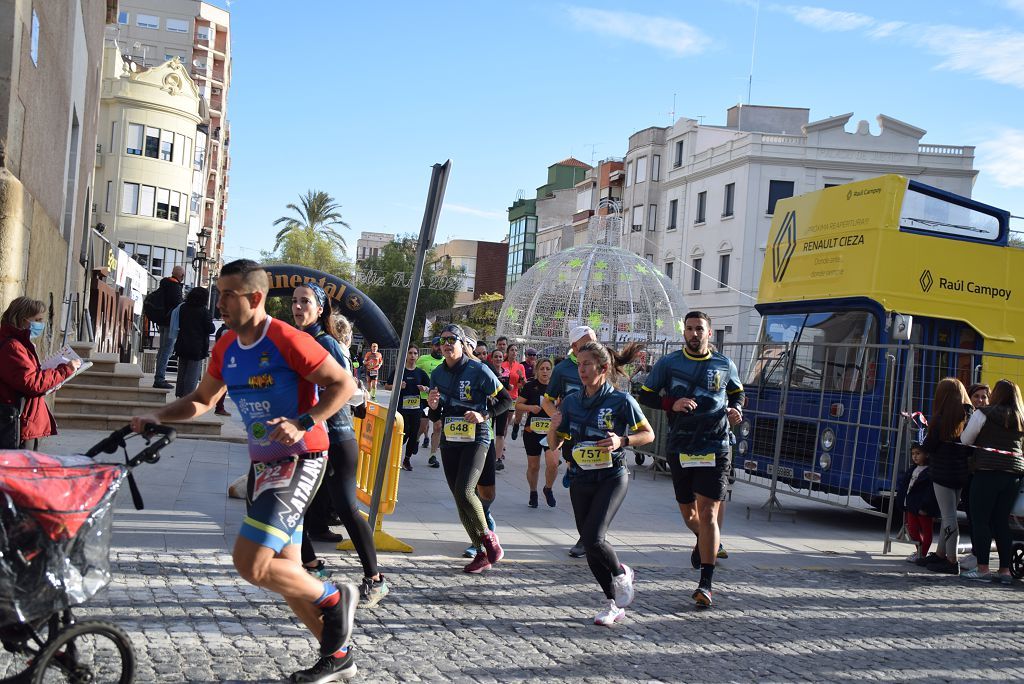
(199, 35)
(698, 199)
(371, 244)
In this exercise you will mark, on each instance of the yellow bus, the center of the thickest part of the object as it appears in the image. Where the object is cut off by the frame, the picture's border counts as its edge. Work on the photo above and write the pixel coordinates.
(870, 293)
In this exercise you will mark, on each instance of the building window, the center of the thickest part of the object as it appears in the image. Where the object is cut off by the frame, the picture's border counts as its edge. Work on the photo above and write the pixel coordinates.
(670, 268)
(656, 167)
(203, 34)
(147, 21)
(649, 257)
(652, 217)
(778, 189)
(177, 25)
(673, 210)
(113, 136)
(695, 282)
(831, 185)
(679, 154)
(702, 207)
(130, 199)
(641, 170)
(167, 145)
(638, 218)
(730, 199)
(134, 139)
(110, 196)
(33, 50)
(146, 195)
(175, 213)
(122, 18)
(152, 148)
(629, 174)
(723, 270)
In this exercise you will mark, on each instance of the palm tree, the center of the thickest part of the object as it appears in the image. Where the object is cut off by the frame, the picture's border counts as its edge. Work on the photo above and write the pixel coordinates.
(319, 214)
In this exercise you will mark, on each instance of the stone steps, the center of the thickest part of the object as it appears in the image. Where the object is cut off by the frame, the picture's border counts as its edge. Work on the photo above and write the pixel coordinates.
(114, 393)
(87, 421)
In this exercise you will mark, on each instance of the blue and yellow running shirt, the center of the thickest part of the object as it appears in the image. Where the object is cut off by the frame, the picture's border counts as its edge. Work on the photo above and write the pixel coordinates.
(590, 419)
(467, 387)
(267, 380)
(565, 379)
(710, 380)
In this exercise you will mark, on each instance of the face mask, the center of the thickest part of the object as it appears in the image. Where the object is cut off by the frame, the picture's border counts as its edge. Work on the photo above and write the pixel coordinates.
(36, 328)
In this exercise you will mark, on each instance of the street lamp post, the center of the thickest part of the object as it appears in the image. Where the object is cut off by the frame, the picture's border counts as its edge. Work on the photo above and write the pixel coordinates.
(202, 259)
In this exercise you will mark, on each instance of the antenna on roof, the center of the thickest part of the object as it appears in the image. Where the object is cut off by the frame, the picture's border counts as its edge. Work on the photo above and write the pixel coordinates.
(753, 49)
(593, 150)
(520, 194)
(672, 114)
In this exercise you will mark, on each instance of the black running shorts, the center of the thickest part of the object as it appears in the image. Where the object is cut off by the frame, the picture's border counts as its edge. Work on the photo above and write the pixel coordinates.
(709, 481)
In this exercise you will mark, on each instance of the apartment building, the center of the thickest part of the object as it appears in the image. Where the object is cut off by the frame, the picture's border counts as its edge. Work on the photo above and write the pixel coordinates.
(698, 200)
(150, 162)
(198, 34)
(547, 217)
(483, 263)
(371, 244)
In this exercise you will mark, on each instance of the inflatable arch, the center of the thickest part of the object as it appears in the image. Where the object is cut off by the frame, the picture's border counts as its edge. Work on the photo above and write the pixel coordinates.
(346, 298)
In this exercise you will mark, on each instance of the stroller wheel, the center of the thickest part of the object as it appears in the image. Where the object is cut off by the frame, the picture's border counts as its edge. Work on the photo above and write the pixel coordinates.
(1017, 561)
(85, 652)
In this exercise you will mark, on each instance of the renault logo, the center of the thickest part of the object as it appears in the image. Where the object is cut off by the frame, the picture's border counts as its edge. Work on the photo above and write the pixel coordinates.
(926, 280)
(784, 246)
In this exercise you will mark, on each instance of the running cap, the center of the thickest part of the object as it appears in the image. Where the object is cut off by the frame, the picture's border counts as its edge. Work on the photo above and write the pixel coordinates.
(454, 329)
(579, 332)
(435, 340)
(530, 351)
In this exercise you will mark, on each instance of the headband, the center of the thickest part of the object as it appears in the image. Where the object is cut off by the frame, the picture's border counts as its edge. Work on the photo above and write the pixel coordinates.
(318, 292)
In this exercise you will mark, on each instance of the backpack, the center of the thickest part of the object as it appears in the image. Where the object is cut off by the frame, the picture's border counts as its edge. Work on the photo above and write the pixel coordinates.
(153, 307)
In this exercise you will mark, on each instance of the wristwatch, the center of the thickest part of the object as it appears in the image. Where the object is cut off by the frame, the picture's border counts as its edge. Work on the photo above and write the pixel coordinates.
(625, 440)
(306, 422)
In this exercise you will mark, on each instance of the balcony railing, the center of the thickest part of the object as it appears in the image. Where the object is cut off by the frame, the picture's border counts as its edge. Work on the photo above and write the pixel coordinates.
(949, 150)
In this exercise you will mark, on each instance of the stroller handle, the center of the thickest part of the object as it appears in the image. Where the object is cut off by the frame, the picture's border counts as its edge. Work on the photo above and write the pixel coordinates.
(150, 454)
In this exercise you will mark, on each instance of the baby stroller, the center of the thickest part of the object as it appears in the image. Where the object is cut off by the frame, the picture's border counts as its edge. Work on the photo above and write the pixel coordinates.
(55, 523)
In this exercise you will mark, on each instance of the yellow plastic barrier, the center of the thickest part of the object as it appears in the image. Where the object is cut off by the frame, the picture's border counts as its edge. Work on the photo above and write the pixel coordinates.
(370, 438)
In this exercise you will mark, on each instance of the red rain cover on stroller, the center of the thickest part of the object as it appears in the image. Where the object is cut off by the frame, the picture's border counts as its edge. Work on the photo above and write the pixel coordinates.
(55, 523)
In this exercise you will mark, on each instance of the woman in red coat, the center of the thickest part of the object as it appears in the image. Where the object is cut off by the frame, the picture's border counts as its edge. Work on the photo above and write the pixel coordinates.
(20, 373)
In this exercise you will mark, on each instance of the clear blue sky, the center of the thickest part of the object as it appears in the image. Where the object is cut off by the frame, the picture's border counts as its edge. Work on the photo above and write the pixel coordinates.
(359, 99)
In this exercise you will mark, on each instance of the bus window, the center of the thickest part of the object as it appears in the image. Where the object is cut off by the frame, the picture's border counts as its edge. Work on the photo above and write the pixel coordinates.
(840, 368)
(768, 364)
(934, 215)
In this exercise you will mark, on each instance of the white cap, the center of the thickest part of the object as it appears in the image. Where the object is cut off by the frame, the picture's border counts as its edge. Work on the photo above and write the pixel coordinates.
(579, 332)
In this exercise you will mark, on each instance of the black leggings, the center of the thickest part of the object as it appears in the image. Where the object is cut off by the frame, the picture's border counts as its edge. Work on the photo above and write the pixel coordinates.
(410, 436)
(595, 501)
(992, 496)
(340, 482)
(463, 463)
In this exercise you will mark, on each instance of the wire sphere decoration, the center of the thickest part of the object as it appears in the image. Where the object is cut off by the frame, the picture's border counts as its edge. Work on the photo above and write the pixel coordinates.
(619, 294)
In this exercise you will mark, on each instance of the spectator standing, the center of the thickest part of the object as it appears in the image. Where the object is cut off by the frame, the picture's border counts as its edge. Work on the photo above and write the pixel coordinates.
(997, 433)
(978, 393)
(21, 376)
(947, 457)
(191, 327)
(169, 297)
(917, 495)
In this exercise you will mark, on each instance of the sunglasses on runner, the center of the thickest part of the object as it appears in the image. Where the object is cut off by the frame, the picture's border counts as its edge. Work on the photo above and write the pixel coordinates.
(449, 340)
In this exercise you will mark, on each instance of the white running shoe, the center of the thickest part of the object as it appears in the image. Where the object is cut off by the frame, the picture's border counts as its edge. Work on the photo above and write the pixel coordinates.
(623, 586)
(609, 615)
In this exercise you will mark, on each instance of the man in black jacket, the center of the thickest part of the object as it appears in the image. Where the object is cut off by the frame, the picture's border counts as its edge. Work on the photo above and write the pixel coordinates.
(170, 297)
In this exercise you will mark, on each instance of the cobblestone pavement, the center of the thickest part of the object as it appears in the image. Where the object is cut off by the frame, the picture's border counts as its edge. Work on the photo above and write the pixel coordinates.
(192, 619)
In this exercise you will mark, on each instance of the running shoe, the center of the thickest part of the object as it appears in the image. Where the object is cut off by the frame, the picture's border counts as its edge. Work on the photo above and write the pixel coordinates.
(1006, 580)
(623, 586)
(500, 465)
(406, 464)
(914, 557)
(318, 571)
(533, 499)
(478, 564)
(372, 592)
(610, 614)
(471, 551)
(549, 496)
(326, 536)
(339, 620)
(577, 551)
(426, 441)
(491, 525)
(328, 669)
(722, 553)
(515, 431)
(433, 462)
(493, 548)
(944, 568)
(702, 596)
(695, 558)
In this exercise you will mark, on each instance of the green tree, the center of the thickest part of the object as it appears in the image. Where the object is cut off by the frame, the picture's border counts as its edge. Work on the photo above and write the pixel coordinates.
(392, 295)
(319, 215)
(310, 249)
